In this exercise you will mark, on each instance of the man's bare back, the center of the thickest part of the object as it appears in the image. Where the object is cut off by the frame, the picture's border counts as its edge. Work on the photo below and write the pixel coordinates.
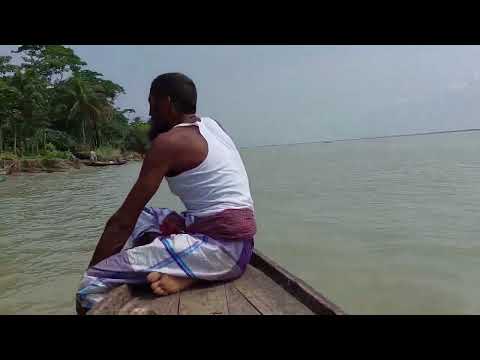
(190, 145)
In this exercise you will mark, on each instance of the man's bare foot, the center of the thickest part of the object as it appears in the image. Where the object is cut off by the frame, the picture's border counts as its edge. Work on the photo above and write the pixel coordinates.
(162, 284)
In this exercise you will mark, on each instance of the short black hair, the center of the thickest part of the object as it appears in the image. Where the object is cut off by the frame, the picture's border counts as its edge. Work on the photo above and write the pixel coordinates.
(180, 88)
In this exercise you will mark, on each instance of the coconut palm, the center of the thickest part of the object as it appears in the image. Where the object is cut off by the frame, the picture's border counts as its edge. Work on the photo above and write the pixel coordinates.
(90, 105)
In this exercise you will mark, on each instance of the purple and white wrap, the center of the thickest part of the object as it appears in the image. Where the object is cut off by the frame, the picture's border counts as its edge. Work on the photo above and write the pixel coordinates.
(196, 256)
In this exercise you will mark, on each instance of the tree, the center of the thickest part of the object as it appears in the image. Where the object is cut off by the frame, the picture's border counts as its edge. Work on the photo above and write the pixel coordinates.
(30, 107)
(115, 131)
(91, 105)
(41, 97)
(84, 106)
(110, 89)
(137, 138)
(7, 107)
(7, 96)
(50, 61)
(5, 67)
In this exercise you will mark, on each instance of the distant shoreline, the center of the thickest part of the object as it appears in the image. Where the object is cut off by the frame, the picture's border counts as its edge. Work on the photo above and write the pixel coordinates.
(365, 138)
(46, 165)
(402, 135)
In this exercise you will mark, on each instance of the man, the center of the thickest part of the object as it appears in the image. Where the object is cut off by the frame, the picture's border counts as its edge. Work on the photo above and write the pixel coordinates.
(212, 239)
(93, 156)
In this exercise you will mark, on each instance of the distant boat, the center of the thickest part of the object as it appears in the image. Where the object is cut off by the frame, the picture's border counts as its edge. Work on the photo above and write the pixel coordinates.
(106, 163)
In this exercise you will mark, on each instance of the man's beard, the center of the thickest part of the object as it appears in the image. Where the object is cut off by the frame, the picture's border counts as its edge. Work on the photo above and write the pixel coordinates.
(156, 127)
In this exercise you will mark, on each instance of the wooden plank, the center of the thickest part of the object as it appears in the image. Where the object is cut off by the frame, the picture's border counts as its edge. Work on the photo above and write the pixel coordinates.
(166, 305)
(113, 302)
(204, 300)
(303, 292)
(152, 305)
(237, 304)
(136, 306)
(267, 296)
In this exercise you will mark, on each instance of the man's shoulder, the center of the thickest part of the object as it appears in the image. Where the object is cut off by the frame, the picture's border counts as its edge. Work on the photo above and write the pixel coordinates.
(182, 148)
(177, 139)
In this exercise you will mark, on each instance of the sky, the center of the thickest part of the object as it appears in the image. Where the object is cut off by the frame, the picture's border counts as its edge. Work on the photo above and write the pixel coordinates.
(286, 94)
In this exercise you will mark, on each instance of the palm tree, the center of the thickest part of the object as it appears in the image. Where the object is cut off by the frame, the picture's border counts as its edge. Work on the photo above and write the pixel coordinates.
(91, 105)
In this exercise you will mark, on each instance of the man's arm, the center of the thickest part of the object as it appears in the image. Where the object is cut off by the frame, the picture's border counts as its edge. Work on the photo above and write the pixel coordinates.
(155, 166)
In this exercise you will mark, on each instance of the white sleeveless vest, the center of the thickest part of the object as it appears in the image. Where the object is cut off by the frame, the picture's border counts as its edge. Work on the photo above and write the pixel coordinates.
(220, 182)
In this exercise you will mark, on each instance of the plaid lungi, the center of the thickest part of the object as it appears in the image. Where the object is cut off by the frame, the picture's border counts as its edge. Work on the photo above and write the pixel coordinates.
(184, 254)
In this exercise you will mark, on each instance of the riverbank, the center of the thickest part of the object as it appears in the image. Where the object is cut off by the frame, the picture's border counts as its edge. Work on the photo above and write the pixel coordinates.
(38, 165)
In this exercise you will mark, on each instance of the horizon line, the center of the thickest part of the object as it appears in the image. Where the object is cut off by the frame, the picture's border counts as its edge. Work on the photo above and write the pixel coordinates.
(362, 138)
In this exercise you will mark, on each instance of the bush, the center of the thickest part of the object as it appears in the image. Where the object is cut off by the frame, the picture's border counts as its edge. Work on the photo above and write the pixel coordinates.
(46, 151)
(8, 156)
(137, 137)
(49, 147)
(60, 140)
(57, 155)
(107, 153)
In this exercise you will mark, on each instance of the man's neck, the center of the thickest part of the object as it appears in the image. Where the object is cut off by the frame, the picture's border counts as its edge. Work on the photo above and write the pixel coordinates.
(187, 119)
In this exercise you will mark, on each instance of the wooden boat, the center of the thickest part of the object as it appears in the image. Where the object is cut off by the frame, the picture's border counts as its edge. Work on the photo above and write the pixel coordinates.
(264, 289)
(106, 163)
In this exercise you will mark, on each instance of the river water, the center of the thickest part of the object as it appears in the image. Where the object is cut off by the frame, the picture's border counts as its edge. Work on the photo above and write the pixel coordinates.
(387, 226)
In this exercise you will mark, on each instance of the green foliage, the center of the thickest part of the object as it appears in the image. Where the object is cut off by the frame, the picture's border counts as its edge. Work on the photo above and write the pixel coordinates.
(50, 152)
(137, 138)
(5, 66)
(50, 60)
(109, 88)
(53, 98)
(56, 155)
(8, 156)
(60, 139)
(50, 147)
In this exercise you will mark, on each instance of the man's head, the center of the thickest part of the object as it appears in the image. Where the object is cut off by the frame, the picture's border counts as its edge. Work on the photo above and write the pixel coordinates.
(172, 96)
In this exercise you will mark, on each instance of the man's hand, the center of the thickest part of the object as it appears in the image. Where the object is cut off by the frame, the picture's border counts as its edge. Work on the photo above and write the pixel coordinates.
(173, 224)
(156, 165)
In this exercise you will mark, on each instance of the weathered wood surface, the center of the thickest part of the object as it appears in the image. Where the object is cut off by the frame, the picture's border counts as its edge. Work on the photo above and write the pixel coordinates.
(208, 300)
(148, 304)
(237, 303)
(112, 304)
(264, 289)
(303, 292)
(266, 296)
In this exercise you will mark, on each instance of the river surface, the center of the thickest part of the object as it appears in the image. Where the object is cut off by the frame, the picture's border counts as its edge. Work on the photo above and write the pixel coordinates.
(388, 226)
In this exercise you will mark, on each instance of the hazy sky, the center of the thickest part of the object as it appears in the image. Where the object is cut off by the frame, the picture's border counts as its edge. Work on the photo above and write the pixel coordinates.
(285, 94)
